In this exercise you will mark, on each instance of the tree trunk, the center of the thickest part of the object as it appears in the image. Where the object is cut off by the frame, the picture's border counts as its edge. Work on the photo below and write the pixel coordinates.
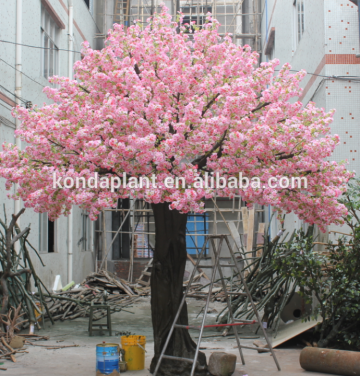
(167, 292)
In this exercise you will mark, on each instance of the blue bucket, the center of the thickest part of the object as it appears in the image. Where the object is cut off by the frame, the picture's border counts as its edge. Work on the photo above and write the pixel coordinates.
(107, 358)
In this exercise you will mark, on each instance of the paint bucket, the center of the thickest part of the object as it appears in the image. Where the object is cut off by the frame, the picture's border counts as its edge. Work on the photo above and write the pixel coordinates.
(134, 347)
(107, 359)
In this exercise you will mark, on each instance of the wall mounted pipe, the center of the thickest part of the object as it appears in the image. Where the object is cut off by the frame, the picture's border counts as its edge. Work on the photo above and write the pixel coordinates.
(18, 87)
(70, 73)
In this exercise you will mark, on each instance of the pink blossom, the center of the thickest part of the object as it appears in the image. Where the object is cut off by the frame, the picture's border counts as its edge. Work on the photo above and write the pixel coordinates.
(154, 102)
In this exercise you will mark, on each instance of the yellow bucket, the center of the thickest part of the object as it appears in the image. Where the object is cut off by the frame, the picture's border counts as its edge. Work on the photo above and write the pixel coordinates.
(38, 316)
(134, 347)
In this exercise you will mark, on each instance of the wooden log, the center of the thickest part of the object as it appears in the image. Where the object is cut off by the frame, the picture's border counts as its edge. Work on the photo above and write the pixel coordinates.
(12, 351)
(118, 284)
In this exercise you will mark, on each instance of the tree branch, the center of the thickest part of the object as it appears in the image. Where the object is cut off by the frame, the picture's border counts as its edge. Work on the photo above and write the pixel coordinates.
(136, 67)
(260, 106)
(209, 104)
(86, 90)
(201, 161)
(287, 156)
(19, 272)
(19, 235)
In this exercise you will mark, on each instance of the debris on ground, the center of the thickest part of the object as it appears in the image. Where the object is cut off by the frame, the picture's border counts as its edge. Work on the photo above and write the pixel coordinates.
(261, 346)
(50, 347)
(97, 288)
(199, 288)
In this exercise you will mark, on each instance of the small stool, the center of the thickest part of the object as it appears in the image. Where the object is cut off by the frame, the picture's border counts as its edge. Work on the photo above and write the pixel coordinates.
(94, 326)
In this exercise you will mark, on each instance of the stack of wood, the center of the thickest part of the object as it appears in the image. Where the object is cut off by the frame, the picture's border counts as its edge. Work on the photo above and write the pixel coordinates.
(97, 288)
(104, 281)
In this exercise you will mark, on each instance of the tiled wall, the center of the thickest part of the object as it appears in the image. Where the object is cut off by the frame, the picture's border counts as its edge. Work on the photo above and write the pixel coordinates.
(342, 43)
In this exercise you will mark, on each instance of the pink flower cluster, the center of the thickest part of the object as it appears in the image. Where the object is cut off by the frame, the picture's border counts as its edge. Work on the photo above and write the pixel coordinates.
(155, 101)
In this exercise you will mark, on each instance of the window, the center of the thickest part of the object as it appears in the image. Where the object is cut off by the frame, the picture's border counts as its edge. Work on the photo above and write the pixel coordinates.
(90, 5)
(196, 229)
(135, 233)
(50, 53)
(195, 13)
(142, 224)
(47, 234)
(299, 22)
(85, 232)
(121, 246)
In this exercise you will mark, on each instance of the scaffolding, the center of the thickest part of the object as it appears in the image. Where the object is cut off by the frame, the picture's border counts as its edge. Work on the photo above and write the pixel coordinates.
(128, 231)
(241, 18)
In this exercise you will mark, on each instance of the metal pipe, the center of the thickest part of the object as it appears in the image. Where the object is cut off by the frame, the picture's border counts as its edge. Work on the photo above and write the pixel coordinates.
(217, 259)
(246, 22)
(216, 325)
(71, 39)
(336, 362)
(130, 276)
(245, 286)
(70, 73)
(230, 309)
(103, 254)
(18, 90)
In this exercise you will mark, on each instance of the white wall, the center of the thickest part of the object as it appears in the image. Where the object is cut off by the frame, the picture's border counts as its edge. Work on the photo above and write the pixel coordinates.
(84, 29)
(331, 34)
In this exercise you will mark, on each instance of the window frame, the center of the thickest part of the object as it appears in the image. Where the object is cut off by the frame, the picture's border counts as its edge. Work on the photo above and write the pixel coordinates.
(86, 229)
(90, 6)
(298, 22)
(191, 14)
(44, 234)
(49, 31)
(197, 228)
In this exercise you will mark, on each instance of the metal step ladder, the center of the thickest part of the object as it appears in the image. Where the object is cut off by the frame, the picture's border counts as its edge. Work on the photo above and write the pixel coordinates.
(234, 322)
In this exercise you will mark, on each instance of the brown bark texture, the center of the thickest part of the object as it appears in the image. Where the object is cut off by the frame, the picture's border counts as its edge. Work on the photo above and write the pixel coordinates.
(167, 292)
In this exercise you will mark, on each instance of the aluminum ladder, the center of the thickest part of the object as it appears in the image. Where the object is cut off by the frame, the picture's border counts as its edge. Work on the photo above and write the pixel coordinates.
(216, 266)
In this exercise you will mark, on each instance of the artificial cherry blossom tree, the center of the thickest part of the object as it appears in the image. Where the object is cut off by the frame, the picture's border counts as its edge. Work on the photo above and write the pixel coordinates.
(161, 101)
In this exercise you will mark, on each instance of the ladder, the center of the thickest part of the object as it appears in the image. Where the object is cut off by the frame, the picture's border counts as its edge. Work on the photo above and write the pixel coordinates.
(234, 322)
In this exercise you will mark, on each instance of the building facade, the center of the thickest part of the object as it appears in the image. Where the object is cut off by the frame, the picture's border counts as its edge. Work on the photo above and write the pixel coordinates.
(41, 38)
(35, 38)
(321, 37)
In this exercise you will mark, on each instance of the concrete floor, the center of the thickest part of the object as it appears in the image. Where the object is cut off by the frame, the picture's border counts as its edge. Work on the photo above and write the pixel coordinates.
(80, 361)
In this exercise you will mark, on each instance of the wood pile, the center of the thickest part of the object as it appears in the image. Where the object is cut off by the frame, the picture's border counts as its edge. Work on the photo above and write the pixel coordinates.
(17, 272)
(201, 291)
(104, 281)
(8, 343)
(200, 282)
(97, 288)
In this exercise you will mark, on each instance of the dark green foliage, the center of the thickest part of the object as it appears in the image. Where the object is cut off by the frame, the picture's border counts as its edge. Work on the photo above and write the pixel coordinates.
(332, 278)
(328, 275)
